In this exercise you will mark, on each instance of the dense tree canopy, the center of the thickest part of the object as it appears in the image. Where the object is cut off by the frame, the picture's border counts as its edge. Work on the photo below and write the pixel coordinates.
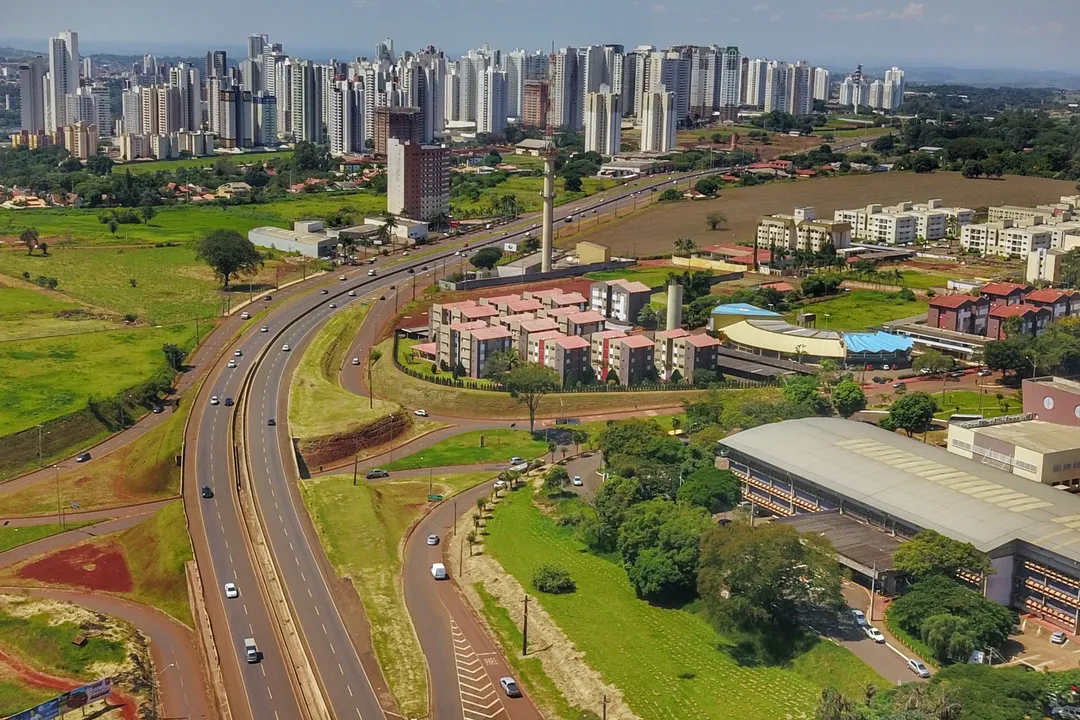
(930, 553)
(229, 254)
(658, 542)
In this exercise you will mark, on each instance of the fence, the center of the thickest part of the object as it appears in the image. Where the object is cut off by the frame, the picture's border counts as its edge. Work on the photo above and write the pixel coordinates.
(534, 277)
(727, 384)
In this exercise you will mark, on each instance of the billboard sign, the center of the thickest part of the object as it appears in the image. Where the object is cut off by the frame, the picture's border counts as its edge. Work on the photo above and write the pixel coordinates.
(70, 700)
(510, 247)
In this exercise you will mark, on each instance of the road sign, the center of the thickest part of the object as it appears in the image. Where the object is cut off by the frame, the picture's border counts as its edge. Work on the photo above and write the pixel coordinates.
(435, 497)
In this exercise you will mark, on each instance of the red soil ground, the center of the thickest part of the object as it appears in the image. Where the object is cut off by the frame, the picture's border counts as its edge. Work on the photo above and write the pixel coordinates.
(87, 566)
(34, 678)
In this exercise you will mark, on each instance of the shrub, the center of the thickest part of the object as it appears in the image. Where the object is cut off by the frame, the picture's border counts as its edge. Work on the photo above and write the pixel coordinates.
(553, 579)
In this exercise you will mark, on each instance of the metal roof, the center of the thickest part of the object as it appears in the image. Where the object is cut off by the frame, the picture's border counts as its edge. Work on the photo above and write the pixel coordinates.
(743, 309)
(919, 484)
(877, 342)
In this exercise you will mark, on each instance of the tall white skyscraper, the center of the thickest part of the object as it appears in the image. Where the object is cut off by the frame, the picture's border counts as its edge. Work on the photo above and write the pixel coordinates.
(131, 111)
(565, 96)
(730, 84)
(32, 94)
(893, 93)
(522, 66)
(855, 90)
(345, 116)
(603, 122)
(822, 84)
(757, 76)
(800, 98)
(304, 109)
(63, 76)
(659, 118)
(188, 82)
(776, 86)
(672, 70)
(877, 94)
(491, 101)
(640, 73)
(704, 81)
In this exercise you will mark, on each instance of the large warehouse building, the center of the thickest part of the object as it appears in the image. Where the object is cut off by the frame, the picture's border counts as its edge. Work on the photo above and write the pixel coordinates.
(1030, 531)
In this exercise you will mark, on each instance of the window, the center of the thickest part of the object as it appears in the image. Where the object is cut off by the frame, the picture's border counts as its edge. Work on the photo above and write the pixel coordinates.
(1048, 403)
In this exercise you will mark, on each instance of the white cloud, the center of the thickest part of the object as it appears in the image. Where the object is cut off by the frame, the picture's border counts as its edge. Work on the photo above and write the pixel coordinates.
(913, 11)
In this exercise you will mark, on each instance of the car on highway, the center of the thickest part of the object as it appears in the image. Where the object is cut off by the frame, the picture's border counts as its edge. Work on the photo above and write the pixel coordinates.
(271, 422)
(499, 485)
(874, 634)
(268, 298)
(245, 315)
(406, 253)
(231, 591)
(1059, 638)
(438, 571)
(231, 363)
(207, 492)
(860, 618)
(342, 278)
(158, 409)
(264, 329)
(333, 306)
(457, 252)
(352, 293)
(251, 650)
(239, 353)
(376, 474)
(577, 481)
(213, 400)
(916, 666)
(510, 687)
(228, 402)
(285, 348)
(371, 272)
(432, 539)
(420, 413)
(324, 291)
(371, 261)
(356, 361)
(82, 457)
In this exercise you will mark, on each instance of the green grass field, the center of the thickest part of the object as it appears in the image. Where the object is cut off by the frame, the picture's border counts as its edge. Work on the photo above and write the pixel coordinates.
(924, 281)
(361, 528)
(27, 313)
(973, 403)
(465, 449)
(13, 537)
(527, 190)
(46, 378)
(654, 277)
(422, 366)
(46, 644)
(860, 309)
(204, 162)
(318, 405)
(649, 652)
(16, 696)
(156, 550)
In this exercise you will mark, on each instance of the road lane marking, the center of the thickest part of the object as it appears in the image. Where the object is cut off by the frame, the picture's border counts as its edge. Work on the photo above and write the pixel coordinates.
(302, 576)
(269, 693)
(324, 629)
(349, 688)
(478, 696)
(340, 669)
(332, 650)
(245, 609)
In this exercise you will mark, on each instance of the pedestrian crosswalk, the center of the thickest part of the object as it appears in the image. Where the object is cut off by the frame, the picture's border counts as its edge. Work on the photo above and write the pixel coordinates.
(479, 697)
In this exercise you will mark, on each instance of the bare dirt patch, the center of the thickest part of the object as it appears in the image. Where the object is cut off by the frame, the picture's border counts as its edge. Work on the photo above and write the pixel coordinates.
(655, 229)
(93, 567)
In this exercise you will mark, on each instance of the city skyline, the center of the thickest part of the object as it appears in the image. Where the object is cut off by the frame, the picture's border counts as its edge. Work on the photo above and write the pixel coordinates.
(960, 33)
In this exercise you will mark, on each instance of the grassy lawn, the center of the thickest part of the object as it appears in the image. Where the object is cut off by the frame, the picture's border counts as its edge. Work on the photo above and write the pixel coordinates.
(669, 663)
(156, 550)
(968, 403)
(417, 364)
(465, 449)
(32, 313)
(654, 277)
(860, 309)
(45, 378)
(46, 644)
(318, 405)
(527, 190)
(361, 528)
(16, 696)
(924, 281)
(13, 537)
(205, 162)
(141, 471)
(392, 384)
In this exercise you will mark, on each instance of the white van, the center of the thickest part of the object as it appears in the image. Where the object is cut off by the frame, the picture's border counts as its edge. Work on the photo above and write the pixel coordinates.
(251, 651)
(438, 571)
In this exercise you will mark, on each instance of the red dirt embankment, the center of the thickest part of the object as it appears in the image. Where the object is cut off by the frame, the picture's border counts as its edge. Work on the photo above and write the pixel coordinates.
(92, 567)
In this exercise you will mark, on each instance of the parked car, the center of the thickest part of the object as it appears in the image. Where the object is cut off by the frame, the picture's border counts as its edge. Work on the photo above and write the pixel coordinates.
(499, 485)
(1059, 638)
(82, 457)
(924, 371)
(577, 481)
(432, 539)
(517, 460)
(898, 385)
(231, 591)
(956, 373)
(510, 687)
(207, 492)
(916, 666)
(874, 634)
(860, 617)
(376, 474)
(986, 372)
(879, 380)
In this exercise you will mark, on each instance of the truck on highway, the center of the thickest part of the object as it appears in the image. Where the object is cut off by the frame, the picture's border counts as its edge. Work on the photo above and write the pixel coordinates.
(251, 650)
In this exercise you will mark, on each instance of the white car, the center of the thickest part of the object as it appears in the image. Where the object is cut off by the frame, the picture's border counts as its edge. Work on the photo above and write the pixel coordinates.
(860, 618)
(324, 291)
(356, 361)
(577, 481)
(432, 539)
(333, 306)
(285, 348)
(499, 485)
(918, 668)
(352, 293)
(231, 591)
(420, 413)
(405, 254)
(231, 363)
(342, 278)
(239, 353)
(457, 252)
(264, 329)
(371, 272)
(874, 634)
(245, 315)
(213, 400)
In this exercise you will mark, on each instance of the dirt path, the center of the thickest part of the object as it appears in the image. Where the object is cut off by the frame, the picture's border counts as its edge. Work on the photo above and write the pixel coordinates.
(66, 539)
(28, 675)
(146, 508)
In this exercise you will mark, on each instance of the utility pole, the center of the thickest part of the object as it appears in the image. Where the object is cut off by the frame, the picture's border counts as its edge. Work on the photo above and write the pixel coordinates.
(196, 331)
(525, 630)
(59, 515)
(603, 708)
(39, 429)
(873, 583)
(356, 462)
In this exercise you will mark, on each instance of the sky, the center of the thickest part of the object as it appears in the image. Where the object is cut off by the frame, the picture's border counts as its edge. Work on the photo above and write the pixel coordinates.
(989, 34)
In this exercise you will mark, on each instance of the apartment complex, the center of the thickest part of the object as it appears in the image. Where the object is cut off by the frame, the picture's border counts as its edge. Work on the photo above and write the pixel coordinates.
(534, 111)
(603, 122)
(620, 300)
(904, 223)
(959, 313)
(659, 120)
(802, 231)
(417, 179)
(81, 139)
(400, 123)
(1003, 237)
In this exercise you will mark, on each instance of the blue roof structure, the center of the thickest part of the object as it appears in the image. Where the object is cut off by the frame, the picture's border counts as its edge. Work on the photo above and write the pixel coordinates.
(877, 342)
(743, 309)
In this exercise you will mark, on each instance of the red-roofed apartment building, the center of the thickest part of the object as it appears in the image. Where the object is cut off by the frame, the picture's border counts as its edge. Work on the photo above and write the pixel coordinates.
(567, 355)
(582, 323)
(1061, 303)
(619, 300)
(1004, 293)
(959, 313)
(631, 359)
(535, 345)
(600, 354)
(694, 353)
(448, 338)
(663, 350)
(478, 345)
(527, 328)
(1033, 320)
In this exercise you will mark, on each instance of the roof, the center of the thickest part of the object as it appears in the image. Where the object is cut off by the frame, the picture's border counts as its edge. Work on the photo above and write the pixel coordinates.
(478, 311)
(1046, 295)
(426, 348)
(546, 335)
(852, 539)
(508, 319)
(877, 342)
(951, 301)
(743, 309)
(572, 342)
(261, 233)
(562, 311)
(586, 316)
(569, 299)
(499, 299)
(535, 144)
(1001, 311)
(779, 286)
(671, 334)
(550, 292)
(630, 285)
(1002, 288)
(636, 341)
(702, 341)
(919, 484)
(523, 305)
(470, 325)
(491, 332)
(1034, 435)
(782, 337)
(539, 325)
(607, 335)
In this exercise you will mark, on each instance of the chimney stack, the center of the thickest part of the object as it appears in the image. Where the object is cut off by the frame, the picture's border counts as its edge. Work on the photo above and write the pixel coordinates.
(674, 306)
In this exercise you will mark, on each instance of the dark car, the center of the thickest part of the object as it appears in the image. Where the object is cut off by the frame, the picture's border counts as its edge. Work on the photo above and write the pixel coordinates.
(158, 409)
(376, 474)
(267, 297)
(83, 457)
(879, 380)
(207, 492)
(271, 422)
(228, 402)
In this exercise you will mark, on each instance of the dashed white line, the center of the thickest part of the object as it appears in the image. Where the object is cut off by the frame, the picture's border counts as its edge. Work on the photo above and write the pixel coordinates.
(324, 628)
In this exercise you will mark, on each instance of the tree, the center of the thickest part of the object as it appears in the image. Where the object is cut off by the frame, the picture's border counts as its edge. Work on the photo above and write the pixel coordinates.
(486, 258)
(930, 553)
(228, 253)
(29, 238)
(1008, 355)
(802, 390)
(937, 363)
(500, 363)
(556, 479)
(528, 384)
(848, 398)
(613, 501)
(685, 247)
(553, 579)
(990, 623)
(971, 169)
(572, 184)
(647, 316)
(912, 413)
(659, 543)
(632, 436)
(922, 163)
(309, 157)
(386, 229)
(711, 488)
(670, 195)
(113, 225)
(99, 165)
(147, 212)
(716, 220)
(174, 356)
(707, 186)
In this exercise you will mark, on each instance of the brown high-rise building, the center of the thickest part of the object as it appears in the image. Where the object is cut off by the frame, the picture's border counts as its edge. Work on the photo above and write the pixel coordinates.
(402, 123)
(534, 105)
(417, 179)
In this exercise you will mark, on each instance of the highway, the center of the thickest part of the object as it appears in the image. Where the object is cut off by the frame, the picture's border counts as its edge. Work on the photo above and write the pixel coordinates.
(216, 524)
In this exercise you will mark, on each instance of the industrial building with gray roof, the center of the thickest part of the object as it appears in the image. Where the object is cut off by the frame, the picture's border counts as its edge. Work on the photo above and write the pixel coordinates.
(1030, 531)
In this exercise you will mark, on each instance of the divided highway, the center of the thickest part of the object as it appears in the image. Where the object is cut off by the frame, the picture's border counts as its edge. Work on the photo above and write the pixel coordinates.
(264, 690)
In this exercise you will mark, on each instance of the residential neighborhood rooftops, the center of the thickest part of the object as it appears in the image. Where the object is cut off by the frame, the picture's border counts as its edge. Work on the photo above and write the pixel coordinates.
(539, 325)
(1048, 295)
(702, 341)
(951, 301)
(490, 332)
(499, 299)
(671, 334)
(468, 325)
(572, 342)
(1004, 311)
(563, 311)
(523, 305)
(569, 299)
(1002, 288)
(607, 335)
(478, 311)
(636, 341)
(585, 316)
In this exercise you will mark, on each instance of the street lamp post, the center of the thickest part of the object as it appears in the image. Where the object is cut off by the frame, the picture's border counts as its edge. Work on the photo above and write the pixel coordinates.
(59, 512)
